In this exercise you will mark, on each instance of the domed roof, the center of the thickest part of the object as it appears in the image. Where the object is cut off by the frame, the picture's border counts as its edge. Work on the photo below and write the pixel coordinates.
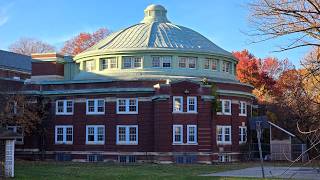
(155, 32)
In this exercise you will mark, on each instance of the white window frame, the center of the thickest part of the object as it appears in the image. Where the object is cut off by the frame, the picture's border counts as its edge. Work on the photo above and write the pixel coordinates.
(223, 109)
(95, 105)
(195, 134)
(224, 158)
(174, 110)
(187, 62)
(195, 104)
(95, 134)
(223, 141)
(162, 60)
(243, 132)
(132, 60)
(109, 63)
(225, 67)
(64, 134)
(174, 133)
(243, 108)
(92, 66)
(127, 135)
(15, 130)
(65, 102)
(127, 106)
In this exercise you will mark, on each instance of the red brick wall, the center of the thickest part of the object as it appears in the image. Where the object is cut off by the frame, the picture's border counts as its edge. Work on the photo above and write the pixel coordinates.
(47, 68)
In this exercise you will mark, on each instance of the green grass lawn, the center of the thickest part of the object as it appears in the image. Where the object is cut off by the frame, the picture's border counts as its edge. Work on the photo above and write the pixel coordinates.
(60, 171)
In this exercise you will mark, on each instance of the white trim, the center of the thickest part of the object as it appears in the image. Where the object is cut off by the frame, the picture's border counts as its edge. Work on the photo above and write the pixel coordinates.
(195, 134)
(195, 104)
(95, 128)
(174, 142)
(15, 130)
(222, 102)
(127, 135)
(242, 106)
(95, 106)
(241, 134)
(173, 104)
(65, 102)
(64, 134)
(127, 106)
(223, 141)
(281, 129)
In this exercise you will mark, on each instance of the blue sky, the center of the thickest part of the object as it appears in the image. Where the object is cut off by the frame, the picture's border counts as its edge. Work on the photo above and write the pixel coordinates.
(223, 22)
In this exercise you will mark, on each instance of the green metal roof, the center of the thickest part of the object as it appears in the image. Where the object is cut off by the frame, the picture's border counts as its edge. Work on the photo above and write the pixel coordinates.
(155, 32)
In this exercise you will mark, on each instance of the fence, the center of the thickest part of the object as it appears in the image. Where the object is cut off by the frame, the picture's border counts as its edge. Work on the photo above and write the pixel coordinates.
(274, 152)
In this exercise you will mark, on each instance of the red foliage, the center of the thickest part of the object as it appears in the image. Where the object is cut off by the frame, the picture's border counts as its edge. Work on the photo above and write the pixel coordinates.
(83, 41)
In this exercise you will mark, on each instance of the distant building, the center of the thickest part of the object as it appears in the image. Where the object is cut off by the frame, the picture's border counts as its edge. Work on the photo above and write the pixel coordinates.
(144, 93)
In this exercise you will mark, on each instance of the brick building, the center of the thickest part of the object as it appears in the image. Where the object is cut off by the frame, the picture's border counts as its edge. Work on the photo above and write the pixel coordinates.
(154, 91)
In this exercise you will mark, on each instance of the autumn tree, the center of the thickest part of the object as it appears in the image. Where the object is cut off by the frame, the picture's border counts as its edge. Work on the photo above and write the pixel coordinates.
(27, 46)
(83, 41)
(261, 73)
(298, 20)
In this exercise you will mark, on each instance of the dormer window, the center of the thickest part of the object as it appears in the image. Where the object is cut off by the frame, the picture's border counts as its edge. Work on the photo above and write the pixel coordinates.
(132, 62)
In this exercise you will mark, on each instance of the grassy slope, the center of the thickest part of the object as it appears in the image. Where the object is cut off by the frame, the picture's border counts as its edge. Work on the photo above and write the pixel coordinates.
(88, 171)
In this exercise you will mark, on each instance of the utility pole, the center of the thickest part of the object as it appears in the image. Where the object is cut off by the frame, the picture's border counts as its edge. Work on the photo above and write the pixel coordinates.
(259, 133)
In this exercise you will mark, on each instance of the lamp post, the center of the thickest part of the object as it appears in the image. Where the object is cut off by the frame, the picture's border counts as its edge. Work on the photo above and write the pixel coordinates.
(259, 133)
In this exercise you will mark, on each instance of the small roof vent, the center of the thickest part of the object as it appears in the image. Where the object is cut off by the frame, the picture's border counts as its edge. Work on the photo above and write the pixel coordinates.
(155, 13)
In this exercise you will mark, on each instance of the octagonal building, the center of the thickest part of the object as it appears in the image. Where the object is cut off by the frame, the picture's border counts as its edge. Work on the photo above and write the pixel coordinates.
(152, 92)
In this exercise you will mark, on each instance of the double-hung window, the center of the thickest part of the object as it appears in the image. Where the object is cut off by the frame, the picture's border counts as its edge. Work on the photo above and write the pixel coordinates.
(191, 104)
(108, 63)
(242, 134)
(243, 108)
(132, 62)
(177, 104)
(127, 106)
(127, 135)
(177, 134)
(90, 65)
(224, 107)
(223, 134)
(192, 134)
(188, 62)
(64, 134)
(210, 63)
(18, 130)
(226, 67)
(95, 134)
(95, 106)
(64, 107)
(161, 61)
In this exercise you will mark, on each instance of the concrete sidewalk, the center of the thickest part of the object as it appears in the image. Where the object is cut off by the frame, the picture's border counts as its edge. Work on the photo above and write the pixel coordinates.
(306, 173)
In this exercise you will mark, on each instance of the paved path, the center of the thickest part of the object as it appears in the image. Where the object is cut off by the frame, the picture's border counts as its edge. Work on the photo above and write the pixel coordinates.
(305, 173)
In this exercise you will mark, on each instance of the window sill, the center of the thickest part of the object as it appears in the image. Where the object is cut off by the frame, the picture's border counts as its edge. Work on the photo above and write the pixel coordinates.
(95, 143)
(180, 112)
(64, 114)
(57, 143)
(95, 113)
(224, 114)
(242, 142)
(224, 143)
(184, 144)
(243, 115)
(127, 112)
(120, 144)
